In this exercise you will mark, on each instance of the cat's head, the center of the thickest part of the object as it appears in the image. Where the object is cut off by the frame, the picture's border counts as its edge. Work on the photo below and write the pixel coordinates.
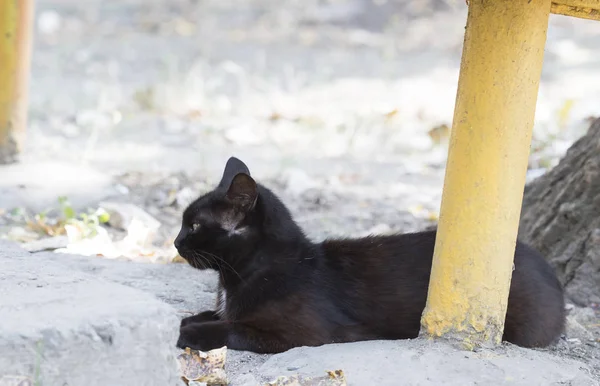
(226, 224)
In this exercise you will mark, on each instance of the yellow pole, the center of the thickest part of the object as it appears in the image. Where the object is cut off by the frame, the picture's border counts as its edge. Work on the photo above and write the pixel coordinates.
(16, 18)
(485, 175)
(24, 47)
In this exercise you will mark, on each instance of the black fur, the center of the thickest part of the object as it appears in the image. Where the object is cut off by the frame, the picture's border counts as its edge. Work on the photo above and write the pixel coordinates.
(284, 291)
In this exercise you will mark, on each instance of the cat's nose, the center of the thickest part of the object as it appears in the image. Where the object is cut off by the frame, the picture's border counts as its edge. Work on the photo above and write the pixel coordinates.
(179, 239)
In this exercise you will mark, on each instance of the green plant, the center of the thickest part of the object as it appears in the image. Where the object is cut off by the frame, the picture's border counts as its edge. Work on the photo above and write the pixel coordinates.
(38, 362)
(86, 222)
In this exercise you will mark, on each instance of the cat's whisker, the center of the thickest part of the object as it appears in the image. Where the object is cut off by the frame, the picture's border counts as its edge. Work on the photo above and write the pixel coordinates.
(227, 265)
(204, 261)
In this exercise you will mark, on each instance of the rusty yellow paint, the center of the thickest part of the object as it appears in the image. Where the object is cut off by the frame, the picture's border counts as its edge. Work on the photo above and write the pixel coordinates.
(584, 9)
(15, 51)
(485, 175)
(8, 63)
(24, 46)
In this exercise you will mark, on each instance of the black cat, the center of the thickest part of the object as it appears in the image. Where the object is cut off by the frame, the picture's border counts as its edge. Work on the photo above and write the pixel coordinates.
(279, 290)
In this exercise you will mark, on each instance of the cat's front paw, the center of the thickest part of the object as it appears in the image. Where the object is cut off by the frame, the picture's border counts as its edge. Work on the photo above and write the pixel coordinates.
(204, 336)
(206, 316)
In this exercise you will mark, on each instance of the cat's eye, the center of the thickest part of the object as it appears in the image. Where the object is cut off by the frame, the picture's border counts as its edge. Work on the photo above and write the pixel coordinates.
(195, 227)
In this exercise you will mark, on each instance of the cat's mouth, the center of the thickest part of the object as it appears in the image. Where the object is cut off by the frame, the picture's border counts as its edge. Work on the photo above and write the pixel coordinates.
(195, 259)
(197, 264)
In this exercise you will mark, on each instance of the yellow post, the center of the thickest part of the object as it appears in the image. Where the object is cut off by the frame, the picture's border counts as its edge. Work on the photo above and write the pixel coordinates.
(485, 175)
(15, 51)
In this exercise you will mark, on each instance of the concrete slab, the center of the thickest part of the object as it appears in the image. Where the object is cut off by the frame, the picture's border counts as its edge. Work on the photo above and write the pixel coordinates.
(64, 327)
(78, 320)
(423, 363)
(186, 289)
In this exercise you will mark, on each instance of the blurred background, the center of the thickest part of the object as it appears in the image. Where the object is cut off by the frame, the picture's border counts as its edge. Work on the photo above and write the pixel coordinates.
(343, 107)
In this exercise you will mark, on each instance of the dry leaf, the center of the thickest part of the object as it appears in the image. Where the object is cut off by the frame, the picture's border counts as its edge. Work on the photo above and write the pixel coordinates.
(439, 134)
(275, 117)
(207, 367)
(391, 114)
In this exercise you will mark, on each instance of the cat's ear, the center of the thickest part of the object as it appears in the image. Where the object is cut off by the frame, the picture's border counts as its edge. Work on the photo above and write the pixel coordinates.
(242, 192)
(233, 167)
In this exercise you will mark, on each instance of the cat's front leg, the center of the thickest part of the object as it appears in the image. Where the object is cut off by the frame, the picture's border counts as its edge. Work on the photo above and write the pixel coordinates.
(236, 336)
(204, 336)
(206, 316)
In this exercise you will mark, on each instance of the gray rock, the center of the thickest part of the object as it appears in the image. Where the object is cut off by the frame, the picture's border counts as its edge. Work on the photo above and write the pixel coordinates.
(560, 218)
(574, 329)
(246, 380)
(186, 289)
(122, 214)
(46, 244)
(584, 315)
(64, 327)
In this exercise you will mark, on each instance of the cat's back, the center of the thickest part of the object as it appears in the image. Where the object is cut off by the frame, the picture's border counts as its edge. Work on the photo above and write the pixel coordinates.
(381, 281)
(386, 269)
(379, 255)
